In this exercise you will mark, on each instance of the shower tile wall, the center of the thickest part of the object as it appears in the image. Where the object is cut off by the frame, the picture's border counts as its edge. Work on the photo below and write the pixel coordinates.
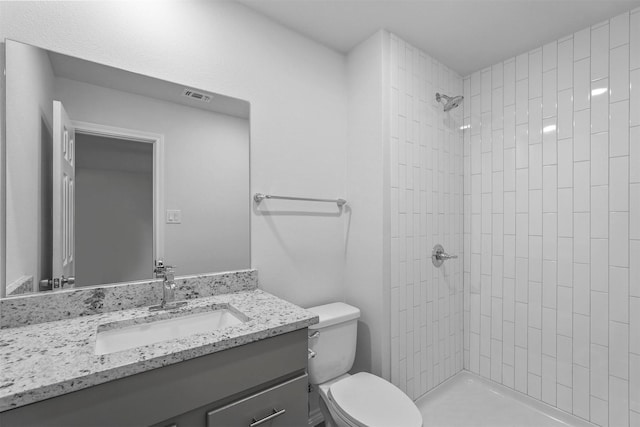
(426, 208)
(552, 222)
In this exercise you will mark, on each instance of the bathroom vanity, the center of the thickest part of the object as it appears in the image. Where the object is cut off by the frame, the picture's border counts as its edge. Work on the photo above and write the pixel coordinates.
(250, 373)
(96, 355)
(239, 386)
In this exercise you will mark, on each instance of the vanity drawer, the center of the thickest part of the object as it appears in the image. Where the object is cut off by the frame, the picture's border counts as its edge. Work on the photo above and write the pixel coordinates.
(281, 405)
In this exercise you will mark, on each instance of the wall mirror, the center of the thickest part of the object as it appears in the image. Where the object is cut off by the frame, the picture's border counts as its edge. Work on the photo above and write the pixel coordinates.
(107, 171)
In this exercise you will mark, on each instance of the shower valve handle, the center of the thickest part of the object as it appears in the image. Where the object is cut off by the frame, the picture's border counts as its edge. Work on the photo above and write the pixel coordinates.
(439, 256)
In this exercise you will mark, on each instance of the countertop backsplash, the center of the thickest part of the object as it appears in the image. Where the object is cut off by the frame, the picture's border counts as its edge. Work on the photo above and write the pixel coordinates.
(66, 304)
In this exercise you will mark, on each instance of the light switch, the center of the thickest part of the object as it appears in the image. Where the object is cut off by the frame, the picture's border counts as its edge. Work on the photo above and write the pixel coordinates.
(174, 216)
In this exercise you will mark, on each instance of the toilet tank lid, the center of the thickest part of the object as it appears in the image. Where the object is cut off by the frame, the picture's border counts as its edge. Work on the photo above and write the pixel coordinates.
(331, 314)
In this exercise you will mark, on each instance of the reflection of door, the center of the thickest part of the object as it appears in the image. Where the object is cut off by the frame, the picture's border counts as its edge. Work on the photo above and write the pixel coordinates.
(98, 146)
(63, 194)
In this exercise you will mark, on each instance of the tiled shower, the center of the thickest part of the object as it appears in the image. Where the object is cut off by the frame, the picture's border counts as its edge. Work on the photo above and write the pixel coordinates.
(552, 201)
(536, 181)
(426, 209)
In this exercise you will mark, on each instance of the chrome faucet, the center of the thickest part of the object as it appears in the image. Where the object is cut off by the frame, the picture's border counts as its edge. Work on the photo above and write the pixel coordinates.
(167, 274)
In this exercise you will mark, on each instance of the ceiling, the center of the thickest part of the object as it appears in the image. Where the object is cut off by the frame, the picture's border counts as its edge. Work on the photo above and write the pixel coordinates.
(72, 68)
(465, 35)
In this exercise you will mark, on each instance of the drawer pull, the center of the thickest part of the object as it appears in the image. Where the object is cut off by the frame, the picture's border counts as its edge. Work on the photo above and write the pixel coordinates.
(273, 415)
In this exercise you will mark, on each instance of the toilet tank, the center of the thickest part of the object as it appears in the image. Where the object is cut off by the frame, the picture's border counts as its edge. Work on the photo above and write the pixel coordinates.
(333, 340)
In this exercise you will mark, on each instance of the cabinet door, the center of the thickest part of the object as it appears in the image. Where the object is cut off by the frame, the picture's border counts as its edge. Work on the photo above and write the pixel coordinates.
(281, 405)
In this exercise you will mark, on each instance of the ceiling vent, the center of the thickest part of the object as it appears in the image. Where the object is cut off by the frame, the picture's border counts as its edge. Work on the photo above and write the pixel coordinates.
(203, 97)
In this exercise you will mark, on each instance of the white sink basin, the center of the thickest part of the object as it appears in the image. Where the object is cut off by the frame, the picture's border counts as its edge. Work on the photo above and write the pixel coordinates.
(124, 335)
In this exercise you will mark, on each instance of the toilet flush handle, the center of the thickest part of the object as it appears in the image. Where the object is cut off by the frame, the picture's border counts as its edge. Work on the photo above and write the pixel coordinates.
(316, 334)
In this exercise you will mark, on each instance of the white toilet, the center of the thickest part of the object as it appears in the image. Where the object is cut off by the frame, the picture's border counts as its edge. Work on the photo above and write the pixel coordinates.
(359, 400)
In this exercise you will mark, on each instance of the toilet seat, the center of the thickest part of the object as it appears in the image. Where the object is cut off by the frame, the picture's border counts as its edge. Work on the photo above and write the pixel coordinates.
(366, 400)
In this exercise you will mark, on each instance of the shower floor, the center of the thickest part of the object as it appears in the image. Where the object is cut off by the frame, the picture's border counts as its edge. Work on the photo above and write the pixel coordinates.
(467, 400)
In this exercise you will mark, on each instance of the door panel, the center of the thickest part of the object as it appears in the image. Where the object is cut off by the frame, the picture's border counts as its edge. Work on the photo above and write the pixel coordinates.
(63, 193)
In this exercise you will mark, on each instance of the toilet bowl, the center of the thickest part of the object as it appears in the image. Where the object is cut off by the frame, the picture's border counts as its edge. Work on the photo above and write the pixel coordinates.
(358, 400)
(365, 400)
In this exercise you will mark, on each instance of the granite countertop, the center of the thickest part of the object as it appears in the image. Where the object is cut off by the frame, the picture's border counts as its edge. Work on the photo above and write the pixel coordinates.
(49, 359)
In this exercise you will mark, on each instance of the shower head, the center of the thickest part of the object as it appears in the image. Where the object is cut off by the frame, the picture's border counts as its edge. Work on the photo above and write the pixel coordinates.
(448, 101)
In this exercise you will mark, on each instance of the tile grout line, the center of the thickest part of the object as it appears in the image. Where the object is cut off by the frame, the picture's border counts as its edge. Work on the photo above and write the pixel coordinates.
(628, 125)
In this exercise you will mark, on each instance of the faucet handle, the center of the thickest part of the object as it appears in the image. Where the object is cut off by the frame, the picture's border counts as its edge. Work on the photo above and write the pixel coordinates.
(163, 271)
(160, 265)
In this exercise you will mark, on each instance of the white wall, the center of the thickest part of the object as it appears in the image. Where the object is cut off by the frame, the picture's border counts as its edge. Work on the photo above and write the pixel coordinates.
(552, 229)
(114, 210)
(297, 91)
(366, 272)
(206, 172)
(425, 187)
(30, 121)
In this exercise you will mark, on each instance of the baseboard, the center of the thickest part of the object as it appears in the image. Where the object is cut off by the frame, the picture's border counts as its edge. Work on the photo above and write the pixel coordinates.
(315, 417)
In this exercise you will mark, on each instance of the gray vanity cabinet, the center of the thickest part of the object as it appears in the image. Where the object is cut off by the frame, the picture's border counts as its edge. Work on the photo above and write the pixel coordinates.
(262, 381)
